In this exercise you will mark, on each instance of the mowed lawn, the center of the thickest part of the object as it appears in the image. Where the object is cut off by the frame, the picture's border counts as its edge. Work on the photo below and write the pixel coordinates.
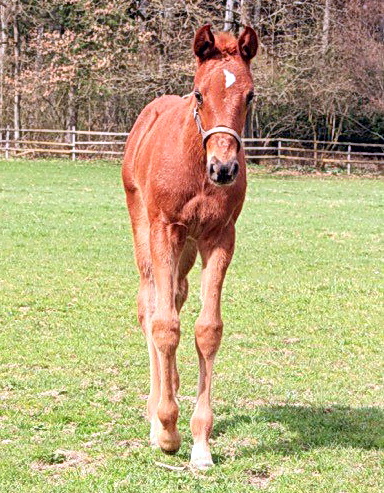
(298, 390)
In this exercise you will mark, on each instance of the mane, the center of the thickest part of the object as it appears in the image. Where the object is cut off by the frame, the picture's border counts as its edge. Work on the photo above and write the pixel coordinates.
(226, 43)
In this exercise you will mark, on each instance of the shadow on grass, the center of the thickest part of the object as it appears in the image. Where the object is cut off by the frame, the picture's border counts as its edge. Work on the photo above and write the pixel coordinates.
(301, 428)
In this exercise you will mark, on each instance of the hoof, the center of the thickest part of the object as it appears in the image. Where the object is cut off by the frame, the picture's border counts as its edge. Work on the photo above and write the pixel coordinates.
(201, 464)
(201, 458)
(154, 443)
(169, 442)
(155, 427)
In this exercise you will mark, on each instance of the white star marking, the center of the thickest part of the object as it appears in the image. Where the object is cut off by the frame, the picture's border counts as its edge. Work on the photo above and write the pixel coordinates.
(229, 78)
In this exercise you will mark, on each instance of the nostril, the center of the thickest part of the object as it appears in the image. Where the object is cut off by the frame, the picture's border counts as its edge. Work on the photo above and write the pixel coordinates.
(220, 173)
(235, 168)
(214, 165)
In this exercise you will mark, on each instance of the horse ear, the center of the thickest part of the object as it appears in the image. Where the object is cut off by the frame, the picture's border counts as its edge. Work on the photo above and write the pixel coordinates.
(248, 44)
(204, 43)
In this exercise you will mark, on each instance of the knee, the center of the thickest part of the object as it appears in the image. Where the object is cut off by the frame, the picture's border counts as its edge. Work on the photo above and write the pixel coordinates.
(208, 337)
(168, 412)
(166, 334)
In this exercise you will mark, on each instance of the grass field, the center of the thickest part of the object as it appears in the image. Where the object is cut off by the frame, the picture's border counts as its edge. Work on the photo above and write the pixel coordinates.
(298, 394)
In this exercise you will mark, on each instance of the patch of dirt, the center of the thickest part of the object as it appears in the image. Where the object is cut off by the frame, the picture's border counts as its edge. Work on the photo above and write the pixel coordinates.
(264, 381)
(285, 352)
(55, 393)
(252, 403)
(24, 309)
(276, 426)
(291, 340)
(129, 446)
(38, 438)
(113, 370)
(113, 415)
(64, 459)
(6, 442)
(70, 428)
(132, 444)
(233, 450)
(90, 444)
(260, 477)
(108, 429)
(117, 396)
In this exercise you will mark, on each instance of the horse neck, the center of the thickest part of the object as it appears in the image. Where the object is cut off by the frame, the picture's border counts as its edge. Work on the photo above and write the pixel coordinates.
(192, 142)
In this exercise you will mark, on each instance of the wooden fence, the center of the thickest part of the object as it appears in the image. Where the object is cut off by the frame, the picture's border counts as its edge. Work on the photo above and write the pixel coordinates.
(279, 151)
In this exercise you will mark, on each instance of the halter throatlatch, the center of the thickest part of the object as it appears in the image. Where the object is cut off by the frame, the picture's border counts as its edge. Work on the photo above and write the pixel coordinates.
(215, 130)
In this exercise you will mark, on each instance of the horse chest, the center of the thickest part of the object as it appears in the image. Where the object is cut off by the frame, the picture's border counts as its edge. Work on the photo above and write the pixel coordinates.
(206, 212)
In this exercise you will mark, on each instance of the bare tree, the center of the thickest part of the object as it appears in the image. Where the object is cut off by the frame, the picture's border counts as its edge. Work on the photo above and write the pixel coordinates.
(229, 15)
(3, 43)
(16, 71)
(326, 22)
(319, 71)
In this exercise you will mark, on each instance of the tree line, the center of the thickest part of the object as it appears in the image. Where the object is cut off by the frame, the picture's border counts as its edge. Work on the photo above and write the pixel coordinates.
(319, 72)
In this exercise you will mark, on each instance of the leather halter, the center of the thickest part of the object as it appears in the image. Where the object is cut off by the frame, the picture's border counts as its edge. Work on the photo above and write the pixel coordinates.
(215, 130)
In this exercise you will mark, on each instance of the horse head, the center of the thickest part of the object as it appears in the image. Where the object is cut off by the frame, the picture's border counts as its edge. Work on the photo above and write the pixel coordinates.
(223, 89)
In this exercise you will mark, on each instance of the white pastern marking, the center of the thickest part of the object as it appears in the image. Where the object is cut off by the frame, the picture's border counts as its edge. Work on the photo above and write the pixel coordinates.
(201, 457)
(229, 78)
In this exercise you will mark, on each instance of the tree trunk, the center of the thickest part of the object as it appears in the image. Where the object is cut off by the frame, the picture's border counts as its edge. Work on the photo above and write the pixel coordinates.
(16, 73)
(39, 56)
(228, 21)
(246, 8)
(256, 13)
(72, 110)
(3, 42)
(326, 21)
(249, 10)
(248, 127)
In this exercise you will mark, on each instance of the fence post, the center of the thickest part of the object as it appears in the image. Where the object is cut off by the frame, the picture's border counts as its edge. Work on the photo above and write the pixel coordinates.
(279, 153)
(349, 160)
(73, 142)
(7, 143)
(315, 160)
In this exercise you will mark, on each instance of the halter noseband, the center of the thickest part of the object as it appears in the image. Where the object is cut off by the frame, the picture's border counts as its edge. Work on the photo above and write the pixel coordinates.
(215, 130)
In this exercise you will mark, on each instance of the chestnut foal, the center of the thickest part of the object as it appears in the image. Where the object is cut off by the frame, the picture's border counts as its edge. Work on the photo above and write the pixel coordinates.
(185, 179)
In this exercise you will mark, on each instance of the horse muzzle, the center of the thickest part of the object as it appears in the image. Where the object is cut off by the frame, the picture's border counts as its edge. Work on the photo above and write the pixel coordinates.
(222, 173)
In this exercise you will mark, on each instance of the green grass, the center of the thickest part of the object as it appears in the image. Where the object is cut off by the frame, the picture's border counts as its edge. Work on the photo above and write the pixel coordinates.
(298, 394)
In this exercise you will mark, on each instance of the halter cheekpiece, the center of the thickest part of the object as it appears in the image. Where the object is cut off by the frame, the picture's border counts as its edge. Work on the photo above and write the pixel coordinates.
(215, 130)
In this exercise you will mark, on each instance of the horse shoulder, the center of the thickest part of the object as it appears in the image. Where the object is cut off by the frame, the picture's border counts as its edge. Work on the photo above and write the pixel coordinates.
(146, 136)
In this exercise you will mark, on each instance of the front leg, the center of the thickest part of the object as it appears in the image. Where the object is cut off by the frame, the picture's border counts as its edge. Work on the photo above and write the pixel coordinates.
(167, 241)
(216, 255)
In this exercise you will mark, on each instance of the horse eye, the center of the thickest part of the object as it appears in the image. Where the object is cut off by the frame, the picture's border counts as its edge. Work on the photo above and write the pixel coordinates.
(199, 97)
(250, 96)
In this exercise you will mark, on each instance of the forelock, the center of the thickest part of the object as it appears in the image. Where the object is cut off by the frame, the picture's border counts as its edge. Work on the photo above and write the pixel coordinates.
(226, 43)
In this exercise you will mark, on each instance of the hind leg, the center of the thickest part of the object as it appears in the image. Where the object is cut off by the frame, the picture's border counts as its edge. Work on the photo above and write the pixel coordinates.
(146, 302)
(167, 244)
(187, 259)
(186, 262)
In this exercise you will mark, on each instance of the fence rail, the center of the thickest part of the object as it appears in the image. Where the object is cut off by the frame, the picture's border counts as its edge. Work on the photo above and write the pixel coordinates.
(316, 153)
